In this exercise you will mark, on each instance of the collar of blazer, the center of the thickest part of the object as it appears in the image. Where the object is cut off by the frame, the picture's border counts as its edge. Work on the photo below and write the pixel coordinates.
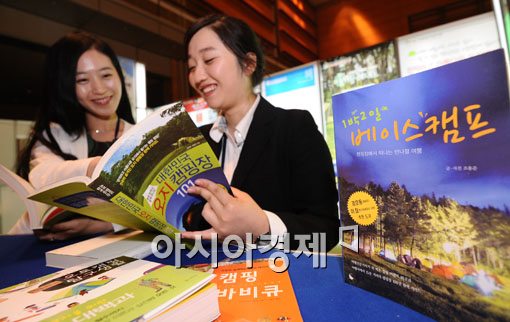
(258, 136)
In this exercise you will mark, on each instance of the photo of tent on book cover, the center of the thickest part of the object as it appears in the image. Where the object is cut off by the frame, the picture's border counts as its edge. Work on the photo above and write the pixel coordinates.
(158, 178)
(424, 171)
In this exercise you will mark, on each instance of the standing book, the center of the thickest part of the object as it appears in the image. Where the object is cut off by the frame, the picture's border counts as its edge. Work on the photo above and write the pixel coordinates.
(142, 180)
(118, 289)
(424, 174)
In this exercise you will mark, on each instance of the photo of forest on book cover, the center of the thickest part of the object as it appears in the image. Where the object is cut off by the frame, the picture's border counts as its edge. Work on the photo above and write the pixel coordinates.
(424, 171)
(156, 166)
(362, 68)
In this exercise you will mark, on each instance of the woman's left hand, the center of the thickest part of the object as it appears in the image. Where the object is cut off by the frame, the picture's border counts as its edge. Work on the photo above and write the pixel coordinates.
(75, 227)
(228, 215)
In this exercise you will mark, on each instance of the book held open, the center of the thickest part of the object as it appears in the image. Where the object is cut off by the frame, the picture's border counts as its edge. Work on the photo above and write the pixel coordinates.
(142, 180)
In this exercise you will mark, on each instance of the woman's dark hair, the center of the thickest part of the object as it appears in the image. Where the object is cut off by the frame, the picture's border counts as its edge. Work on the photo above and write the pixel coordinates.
(60, 104)
(236, 35)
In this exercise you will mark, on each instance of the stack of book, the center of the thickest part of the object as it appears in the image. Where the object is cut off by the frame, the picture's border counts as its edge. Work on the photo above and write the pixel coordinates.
(127, 242)
(118, 289)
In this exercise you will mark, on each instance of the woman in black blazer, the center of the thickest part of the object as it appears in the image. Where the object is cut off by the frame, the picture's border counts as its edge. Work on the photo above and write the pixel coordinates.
(276, 160)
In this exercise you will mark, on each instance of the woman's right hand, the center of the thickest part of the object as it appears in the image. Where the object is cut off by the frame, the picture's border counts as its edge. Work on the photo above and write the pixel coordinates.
(228, 215)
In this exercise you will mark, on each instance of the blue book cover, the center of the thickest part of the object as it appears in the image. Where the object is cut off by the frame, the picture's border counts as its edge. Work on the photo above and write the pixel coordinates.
(423, 167)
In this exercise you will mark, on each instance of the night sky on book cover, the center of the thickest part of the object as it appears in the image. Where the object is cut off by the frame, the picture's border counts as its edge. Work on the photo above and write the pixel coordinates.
(426, 159)
(423, 169)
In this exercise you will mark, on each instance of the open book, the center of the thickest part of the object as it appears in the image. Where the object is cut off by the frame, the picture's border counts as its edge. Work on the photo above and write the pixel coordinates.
(142, 180)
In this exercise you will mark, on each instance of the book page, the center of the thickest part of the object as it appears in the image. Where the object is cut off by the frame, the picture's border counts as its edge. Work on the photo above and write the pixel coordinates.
(23, 189)
(78, 197)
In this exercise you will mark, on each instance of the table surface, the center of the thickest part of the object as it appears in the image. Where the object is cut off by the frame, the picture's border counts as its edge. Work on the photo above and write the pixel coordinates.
(321, 292)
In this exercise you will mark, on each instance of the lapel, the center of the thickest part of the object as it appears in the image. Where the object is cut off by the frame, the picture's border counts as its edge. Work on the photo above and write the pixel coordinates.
(258, 136)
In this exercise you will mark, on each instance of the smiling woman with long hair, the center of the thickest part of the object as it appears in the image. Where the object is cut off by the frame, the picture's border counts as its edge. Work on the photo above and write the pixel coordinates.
(85, 109)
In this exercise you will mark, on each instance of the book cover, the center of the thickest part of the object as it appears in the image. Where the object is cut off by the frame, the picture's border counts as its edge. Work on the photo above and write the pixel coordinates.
(255, 294)
(424, 174)
(127, 242)
(142, 180)
(118, 289)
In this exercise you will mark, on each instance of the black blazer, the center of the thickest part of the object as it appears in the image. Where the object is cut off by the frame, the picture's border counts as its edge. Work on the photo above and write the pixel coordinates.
(286, 167)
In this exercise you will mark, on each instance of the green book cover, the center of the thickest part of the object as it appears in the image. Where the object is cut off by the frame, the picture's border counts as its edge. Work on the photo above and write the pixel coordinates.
(119, 289)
